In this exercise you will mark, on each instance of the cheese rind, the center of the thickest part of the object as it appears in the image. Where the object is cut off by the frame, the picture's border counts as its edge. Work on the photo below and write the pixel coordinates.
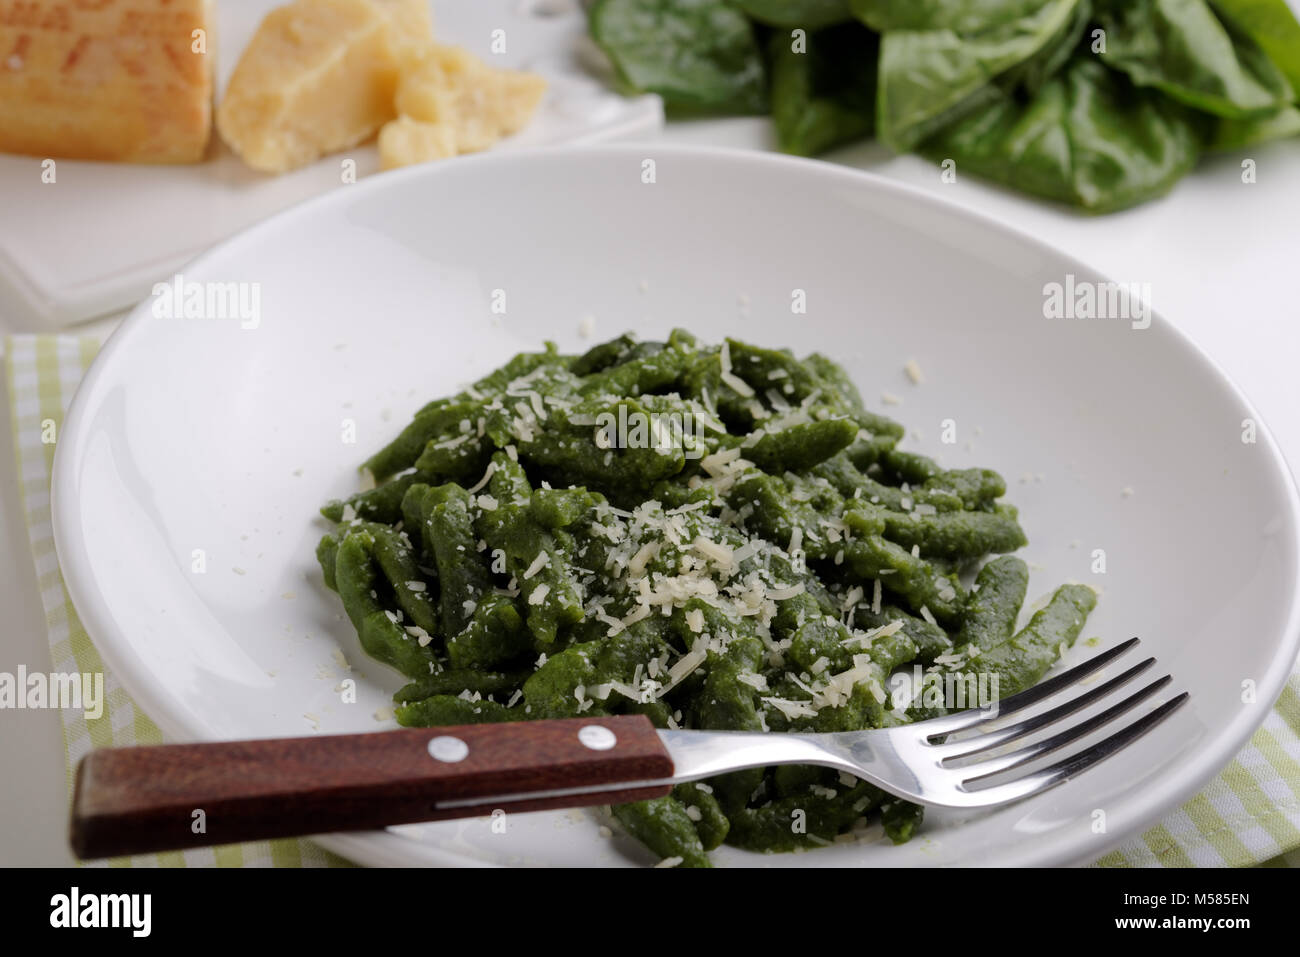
(319, 76)
(118, 80)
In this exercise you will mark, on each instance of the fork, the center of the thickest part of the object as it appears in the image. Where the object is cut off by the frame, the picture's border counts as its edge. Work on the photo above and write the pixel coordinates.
(138, 800)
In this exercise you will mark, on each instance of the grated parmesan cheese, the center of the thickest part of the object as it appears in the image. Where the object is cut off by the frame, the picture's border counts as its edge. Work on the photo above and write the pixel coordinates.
(542, 560)
(737, 384)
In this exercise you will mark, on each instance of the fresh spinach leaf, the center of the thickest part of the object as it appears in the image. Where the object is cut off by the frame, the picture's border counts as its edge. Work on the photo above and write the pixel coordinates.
(1239, 134)
(823, 94)
(1089, 137)
(701, 54)
(1010, 89)
(931, 77)
(960, 16)
(1047, 62)
(805, 14)
(1271, 24)
(1183, 49)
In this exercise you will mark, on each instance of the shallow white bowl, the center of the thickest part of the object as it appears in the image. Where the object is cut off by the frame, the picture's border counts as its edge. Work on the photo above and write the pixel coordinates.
(198, 437)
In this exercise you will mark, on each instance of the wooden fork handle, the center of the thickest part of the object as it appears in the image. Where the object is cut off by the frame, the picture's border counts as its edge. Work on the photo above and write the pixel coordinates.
(140, 800)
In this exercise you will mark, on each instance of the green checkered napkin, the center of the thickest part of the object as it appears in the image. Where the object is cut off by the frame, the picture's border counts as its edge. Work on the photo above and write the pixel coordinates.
(1249, 814)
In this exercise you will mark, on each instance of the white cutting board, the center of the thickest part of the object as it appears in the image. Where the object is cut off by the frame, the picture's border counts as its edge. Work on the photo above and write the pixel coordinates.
(96, 239)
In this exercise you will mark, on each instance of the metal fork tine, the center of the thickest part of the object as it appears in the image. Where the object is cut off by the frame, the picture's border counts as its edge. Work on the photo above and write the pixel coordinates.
(937, 727)
(1063, 770)
(1077, 763)
(1109, 745)
(1057, 741)
(968, 747)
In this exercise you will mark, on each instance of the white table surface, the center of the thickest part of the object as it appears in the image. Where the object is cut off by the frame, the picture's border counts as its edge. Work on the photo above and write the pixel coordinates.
(1221, 258)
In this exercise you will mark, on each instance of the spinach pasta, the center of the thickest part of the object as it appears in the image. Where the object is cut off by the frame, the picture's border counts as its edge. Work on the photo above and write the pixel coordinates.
(715, 536)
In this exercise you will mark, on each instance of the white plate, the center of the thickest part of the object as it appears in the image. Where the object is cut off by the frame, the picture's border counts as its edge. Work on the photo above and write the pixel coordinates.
(99, 237)
(199, 434)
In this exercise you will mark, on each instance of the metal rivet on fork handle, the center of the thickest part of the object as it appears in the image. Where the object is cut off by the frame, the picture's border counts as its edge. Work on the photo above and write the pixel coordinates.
(597, 737)
(446, 748)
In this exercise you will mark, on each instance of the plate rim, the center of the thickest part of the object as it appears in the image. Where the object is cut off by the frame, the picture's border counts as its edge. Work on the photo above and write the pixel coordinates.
(1148, 805)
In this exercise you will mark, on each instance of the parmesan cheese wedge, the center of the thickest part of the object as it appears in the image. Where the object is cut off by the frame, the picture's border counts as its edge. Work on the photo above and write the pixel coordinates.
(471, 104)
(318, 76)
(117, 80)
(411, 22)
(404, 141)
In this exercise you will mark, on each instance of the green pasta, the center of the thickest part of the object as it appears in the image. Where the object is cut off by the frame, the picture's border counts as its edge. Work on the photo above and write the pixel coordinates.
(715, 536)
(359, 580)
